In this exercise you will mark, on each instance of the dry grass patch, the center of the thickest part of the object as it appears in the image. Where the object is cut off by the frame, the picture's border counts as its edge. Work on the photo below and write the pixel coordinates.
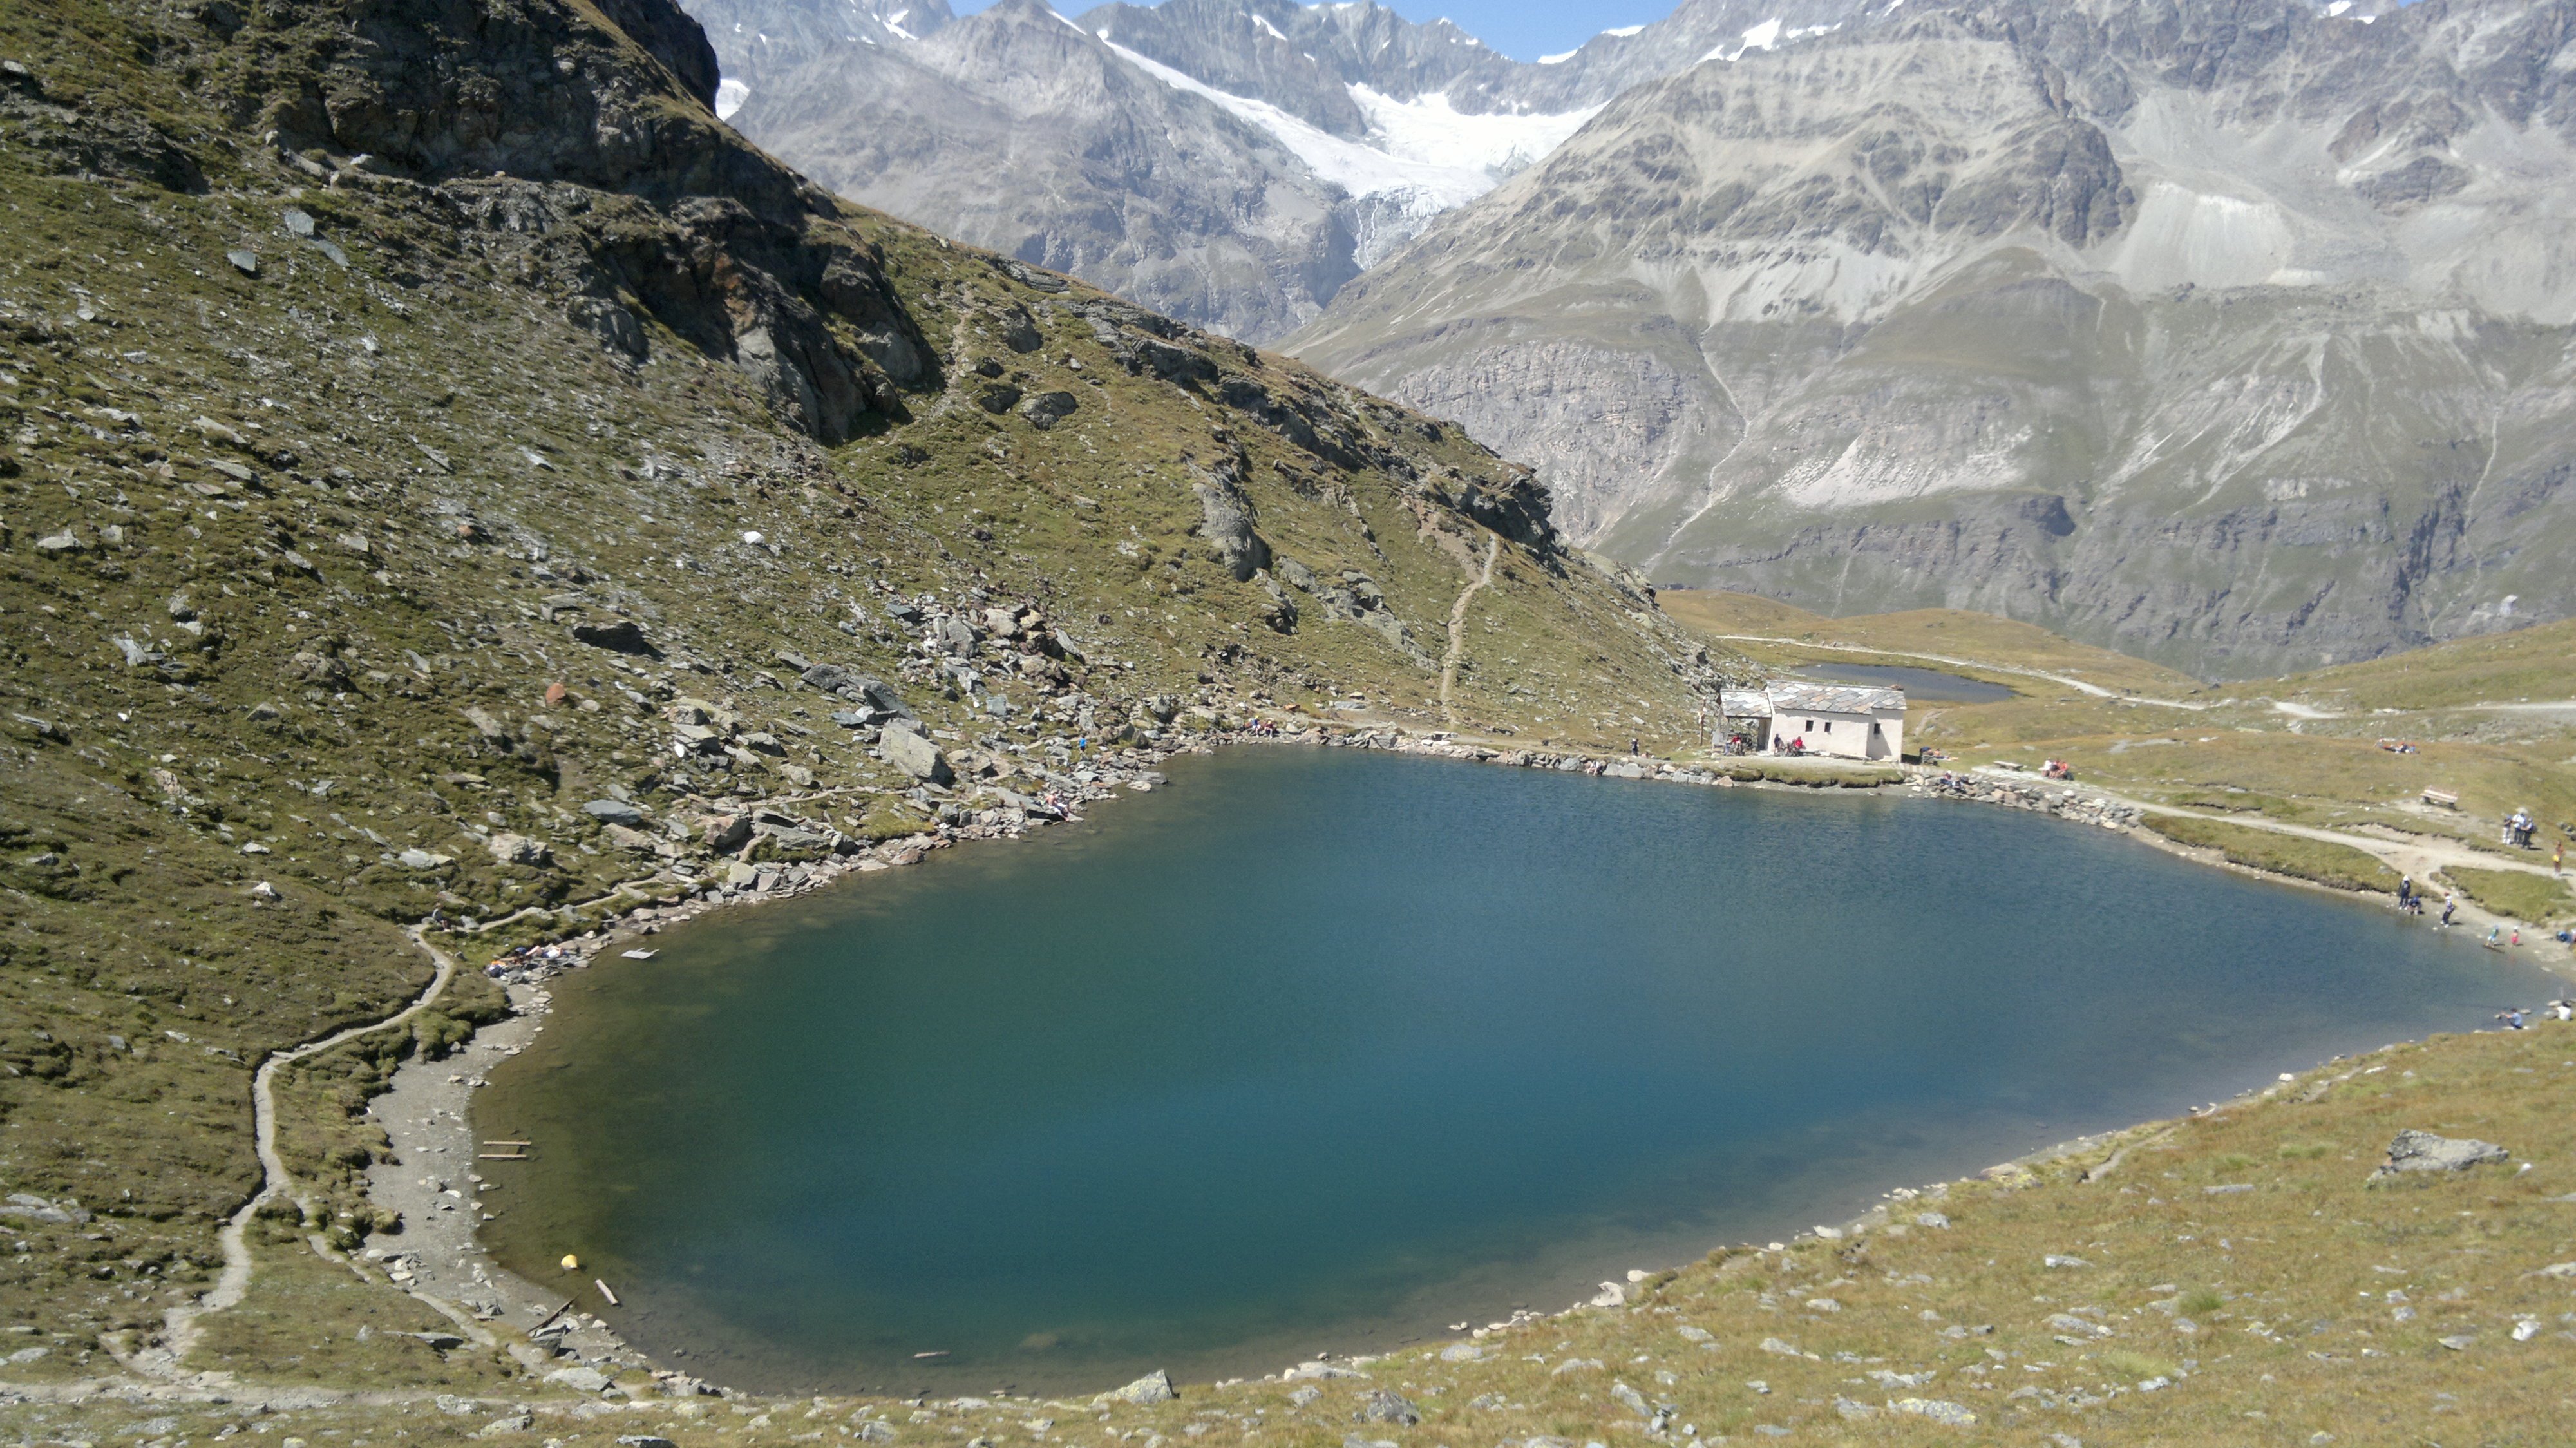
(2515, 894)
(1949, 633)
(2339, 866)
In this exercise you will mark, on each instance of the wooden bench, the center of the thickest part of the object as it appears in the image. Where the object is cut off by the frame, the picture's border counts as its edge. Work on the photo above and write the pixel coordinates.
(2442, 797)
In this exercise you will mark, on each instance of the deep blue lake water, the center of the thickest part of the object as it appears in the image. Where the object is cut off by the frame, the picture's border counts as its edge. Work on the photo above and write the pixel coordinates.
(1324, 1050)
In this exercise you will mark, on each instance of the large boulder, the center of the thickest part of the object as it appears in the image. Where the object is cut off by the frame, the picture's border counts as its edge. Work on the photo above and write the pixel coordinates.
(916, 756)
(2423, 1151)
(1154, 1387)
(1383, 1406)
(620, 636)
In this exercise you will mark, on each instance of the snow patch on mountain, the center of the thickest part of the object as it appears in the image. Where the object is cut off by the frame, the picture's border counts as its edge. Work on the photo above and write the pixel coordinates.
(1767, 36)
(730, 94)
(1429, 153)
(1430, 130)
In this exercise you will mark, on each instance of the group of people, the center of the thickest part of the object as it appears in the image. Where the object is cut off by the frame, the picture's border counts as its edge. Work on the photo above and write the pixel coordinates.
(2410, 901)
(2057, 769)
(2519, 829)
(2515, 1018)
(2397, 746)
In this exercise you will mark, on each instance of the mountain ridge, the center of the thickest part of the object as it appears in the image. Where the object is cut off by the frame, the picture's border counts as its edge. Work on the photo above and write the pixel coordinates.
(2223, 334)
(1233, 162)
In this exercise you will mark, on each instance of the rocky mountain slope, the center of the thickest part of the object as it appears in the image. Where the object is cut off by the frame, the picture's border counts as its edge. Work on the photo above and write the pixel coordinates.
(448, 481)
(2234, 335)
(1231, 162)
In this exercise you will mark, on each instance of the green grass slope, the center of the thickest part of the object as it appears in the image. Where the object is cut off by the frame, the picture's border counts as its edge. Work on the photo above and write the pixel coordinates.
(418, 423)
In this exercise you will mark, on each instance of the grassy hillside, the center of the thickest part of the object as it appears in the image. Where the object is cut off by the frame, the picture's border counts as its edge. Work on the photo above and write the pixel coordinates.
(1948, 632)
(471, 529)
(2530, 665)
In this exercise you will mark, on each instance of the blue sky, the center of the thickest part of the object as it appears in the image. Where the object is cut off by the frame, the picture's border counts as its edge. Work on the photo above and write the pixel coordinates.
(1521, 29)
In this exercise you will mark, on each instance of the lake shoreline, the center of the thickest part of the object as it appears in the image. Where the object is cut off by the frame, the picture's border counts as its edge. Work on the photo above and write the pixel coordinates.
(427, 1110)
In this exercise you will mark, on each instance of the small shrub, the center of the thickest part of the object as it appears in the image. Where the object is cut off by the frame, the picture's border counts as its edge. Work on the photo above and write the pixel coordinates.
(2304, 1150)
(2200, 1302)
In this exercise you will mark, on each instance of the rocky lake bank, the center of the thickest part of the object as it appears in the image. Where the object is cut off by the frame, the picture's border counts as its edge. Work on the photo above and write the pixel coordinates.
(440, 1194)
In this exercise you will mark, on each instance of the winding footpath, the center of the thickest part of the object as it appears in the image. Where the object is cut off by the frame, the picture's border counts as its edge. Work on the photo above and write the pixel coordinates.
(184, 1324)
(1458, 629)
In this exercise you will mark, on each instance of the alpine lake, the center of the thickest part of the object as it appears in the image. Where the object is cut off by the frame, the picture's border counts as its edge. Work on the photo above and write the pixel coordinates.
(1318, 1050)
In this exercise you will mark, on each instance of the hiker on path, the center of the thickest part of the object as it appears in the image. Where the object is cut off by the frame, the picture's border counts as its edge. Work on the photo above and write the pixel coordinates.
(2450, 902)
(2558, 859)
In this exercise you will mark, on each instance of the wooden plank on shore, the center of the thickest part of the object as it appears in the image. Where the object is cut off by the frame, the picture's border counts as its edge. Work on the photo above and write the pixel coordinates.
(604, 1292)
(551, 1316)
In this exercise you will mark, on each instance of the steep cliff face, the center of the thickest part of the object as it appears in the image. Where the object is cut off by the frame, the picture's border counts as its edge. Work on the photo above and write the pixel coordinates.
(2228, 334)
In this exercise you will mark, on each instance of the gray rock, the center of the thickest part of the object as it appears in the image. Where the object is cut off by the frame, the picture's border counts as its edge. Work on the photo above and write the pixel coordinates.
(2423, 1151)
(644, 1440)
(245, 262)
(1046, 409)
(916, 756)
(66, 541)
(299, 223)
(1383, 1406)
(580, 1380)
(1304, 1395)
(618, 636)
(419, 859)
(516, 849)
(615, 812)
(1154, 1387)
(1227, 523)
(1631, 1399)
(1462, 1352)
(1947, 1414)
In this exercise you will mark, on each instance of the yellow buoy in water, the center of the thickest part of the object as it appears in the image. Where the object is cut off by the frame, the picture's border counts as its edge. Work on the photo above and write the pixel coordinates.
(571, 1263)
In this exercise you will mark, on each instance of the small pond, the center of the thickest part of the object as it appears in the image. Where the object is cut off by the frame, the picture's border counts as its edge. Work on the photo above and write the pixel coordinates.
(1921, 686)
(1320, 1050)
